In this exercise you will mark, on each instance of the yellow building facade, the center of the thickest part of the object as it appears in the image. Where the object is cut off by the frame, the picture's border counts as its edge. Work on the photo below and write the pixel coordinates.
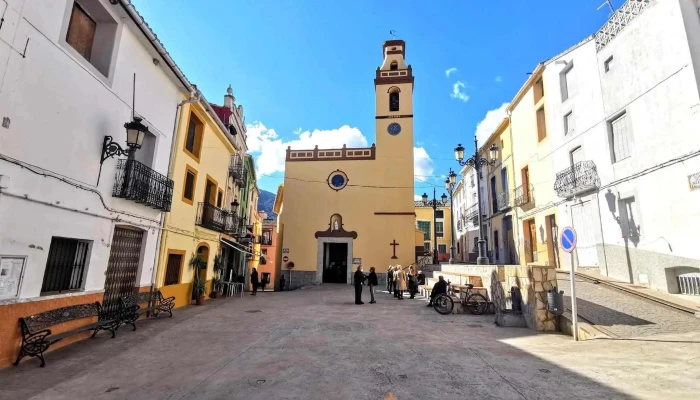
(502, 195)
(347, 206)
(200, 170)
(440, 229)
(534, 173)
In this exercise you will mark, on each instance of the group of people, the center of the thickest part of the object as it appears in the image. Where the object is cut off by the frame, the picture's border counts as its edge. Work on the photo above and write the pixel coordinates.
(399, 280)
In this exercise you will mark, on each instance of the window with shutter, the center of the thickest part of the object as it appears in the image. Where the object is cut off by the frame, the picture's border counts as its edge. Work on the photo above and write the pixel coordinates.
(81, 31)
(621, 140)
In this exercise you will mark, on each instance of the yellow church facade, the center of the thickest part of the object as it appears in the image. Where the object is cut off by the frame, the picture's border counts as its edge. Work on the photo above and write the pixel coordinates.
(347, 206)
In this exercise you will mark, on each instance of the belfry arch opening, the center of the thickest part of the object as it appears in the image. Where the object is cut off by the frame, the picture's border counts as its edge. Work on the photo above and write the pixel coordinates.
(394, 101)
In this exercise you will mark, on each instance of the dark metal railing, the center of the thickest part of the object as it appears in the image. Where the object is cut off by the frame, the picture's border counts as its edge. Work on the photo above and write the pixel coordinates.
(522, 195)
(266, 241)
(503, 201)
(211, 217)
(472, 212)
(237, 170)
(579, 178)
(232, 224)
(137, 182)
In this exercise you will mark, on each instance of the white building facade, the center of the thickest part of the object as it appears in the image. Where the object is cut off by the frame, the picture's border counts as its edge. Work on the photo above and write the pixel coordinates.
(72, 72)
(623, 109)
(466, 205)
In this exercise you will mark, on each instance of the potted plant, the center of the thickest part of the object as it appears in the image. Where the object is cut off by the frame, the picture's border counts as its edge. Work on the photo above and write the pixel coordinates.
(216, 281)
(200, 286)
(198, 283)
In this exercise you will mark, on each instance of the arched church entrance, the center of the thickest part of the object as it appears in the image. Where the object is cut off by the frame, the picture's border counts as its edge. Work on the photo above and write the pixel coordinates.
(334, 256)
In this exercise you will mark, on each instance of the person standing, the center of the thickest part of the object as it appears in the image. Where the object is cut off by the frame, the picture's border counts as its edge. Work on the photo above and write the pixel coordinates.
(358, 279)
(254, 281)
(401, 284)
(421, 278)
(390, 279)
(372, 282)
(396, 281)
(412, 282)
(283, 282)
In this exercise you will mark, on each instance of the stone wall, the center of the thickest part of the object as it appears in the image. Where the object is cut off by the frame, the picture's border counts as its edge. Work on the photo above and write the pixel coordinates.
(533, 282)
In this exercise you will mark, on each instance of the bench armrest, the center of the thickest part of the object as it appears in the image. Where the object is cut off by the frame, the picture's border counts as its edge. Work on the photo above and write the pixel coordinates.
(167, 300)
(36, 336)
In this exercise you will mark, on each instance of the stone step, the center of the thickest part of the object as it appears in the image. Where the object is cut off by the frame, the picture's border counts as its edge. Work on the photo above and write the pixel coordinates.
(460, 279)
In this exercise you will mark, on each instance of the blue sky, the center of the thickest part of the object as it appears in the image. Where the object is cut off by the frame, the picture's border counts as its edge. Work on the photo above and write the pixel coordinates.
(303, 69)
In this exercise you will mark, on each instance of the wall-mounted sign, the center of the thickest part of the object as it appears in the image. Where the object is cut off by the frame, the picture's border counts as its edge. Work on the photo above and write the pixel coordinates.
(285, 251)
(11, 269)
(694, 181)
(357, 261)
(285, 258)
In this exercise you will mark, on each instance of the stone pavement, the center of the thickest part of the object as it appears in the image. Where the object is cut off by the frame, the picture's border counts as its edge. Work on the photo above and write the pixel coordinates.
(316, 344)
(624, 315)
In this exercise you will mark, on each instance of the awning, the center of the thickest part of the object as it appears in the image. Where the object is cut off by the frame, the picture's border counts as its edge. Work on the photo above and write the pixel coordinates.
(239, 247)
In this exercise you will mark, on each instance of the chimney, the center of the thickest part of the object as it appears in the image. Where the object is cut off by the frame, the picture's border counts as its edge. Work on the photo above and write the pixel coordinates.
(229, 99)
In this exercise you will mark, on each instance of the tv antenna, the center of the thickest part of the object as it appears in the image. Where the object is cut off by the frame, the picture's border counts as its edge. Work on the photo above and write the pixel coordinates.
(609, 4)
(393, 33)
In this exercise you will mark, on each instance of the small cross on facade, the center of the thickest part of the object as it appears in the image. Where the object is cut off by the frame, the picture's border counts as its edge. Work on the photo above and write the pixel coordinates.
(394, 244)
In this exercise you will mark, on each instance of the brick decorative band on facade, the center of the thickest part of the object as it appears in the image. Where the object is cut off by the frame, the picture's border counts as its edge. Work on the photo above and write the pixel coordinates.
(345, 154)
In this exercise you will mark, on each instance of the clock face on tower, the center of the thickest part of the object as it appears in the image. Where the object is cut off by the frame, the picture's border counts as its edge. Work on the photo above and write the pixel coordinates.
(394, 128)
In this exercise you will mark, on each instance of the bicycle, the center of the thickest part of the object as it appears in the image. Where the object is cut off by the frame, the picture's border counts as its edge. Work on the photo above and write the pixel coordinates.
(473, 301)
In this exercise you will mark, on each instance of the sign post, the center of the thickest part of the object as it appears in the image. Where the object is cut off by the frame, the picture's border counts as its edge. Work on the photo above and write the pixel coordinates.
(568, 244)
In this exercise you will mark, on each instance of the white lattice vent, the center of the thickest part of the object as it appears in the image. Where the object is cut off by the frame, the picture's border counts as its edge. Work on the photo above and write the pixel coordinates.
(622, 17)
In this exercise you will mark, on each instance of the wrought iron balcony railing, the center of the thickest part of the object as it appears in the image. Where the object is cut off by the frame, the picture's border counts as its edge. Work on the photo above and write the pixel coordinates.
(459, 224)
(503, 201)
(232, 224)
(522, 195)
(472, 212)
(577, 179)
(135, 181)
(211, 217)
(266, 241)
(237, 170)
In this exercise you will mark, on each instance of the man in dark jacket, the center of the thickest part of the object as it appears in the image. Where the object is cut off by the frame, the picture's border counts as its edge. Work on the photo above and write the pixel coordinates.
(421, 278)
(357, 280)
(254, 281)
(439, 288)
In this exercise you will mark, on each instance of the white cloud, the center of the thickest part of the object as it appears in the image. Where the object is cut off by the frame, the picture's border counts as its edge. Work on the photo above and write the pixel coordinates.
(498, 79)
(422, 163)
(491, 121)
(417, 197)
(270, 150)
(450, 71)
(457, 92)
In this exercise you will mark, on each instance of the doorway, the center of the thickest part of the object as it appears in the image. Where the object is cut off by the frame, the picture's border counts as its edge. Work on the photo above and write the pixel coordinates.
(122, 266)
(530, 240)
(335, 259)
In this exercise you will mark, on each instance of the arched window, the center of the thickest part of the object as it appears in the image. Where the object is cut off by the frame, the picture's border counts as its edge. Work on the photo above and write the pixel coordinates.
(394, 66)
(394, 99)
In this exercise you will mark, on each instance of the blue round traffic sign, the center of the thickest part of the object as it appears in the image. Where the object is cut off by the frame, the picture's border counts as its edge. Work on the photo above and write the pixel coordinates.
(568, 239)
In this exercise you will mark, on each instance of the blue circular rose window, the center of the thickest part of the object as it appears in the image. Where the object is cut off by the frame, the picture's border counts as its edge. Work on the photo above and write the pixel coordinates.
(337, 180)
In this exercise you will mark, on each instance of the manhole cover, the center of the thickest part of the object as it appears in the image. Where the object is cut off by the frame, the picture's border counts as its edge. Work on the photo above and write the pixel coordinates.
(253, 311)
(475, 326)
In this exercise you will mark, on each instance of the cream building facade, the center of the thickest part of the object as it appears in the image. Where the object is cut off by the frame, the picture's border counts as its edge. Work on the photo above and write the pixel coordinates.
(362, 210)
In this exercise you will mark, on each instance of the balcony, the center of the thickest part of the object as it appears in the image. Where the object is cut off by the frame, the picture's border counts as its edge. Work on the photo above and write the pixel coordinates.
(266, 241)
(211, 217)
(579, 178)
(137, 182)
(472, 212)
(522, 195)
(232, 224)
(503, 201)
(237, 170)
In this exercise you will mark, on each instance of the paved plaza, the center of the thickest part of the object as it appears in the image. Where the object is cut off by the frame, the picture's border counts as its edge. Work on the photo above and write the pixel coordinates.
(316, 344)
(621, 315)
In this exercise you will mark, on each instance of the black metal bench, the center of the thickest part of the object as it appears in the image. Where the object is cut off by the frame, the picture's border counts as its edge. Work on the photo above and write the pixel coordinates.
(131, 306)
(37, 338)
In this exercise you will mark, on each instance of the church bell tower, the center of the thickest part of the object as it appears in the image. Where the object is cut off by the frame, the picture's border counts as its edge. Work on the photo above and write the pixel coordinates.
(393, 86)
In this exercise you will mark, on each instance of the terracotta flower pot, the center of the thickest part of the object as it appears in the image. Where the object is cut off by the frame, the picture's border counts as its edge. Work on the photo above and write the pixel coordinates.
(200, 300)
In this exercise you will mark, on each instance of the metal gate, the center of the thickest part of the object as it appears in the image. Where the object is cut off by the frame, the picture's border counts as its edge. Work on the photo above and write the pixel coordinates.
(122, 267)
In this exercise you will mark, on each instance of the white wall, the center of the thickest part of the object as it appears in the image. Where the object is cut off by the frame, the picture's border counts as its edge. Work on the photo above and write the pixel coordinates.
(60, 110)
(652, 79)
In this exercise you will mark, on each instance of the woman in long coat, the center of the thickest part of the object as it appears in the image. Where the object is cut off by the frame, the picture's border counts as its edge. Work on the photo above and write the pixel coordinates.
(401, 284)
(390, 279)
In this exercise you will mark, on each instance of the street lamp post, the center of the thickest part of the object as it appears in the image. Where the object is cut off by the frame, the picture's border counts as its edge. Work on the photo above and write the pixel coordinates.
(434, 203)
(450, 185)
(477, 162)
